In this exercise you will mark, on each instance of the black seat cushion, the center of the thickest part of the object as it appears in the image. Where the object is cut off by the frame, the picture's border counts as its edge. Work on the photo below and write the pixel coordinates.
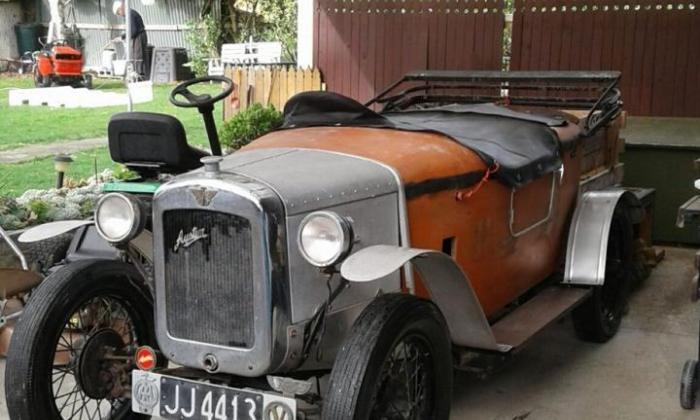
(142, 139)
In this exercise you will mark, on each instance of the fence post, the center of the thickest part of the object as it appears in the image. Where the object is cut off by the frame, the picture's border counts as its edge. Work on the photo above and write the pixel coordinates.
(284, 88)
(274, 97)
(299, 82)
(316, 79)
(266, 86)
(291, 80)
(259, 87)
(245, 90)
(228, 72)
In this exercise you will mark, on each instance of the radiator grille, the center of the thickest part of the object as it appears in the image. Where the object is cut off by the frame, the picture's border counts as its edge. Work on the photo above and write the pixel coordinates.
(209, 281)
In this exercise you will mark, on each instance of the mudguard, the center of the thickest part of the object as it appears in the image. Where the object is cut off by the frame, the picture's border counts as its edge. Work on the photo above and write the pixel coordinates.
(50, 230)
(587, 246)
(449, 288)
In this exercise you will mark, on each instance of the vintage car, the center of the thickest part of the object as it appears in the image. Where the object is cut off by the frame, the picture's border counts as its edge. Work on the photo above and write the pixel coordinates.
(342, 266)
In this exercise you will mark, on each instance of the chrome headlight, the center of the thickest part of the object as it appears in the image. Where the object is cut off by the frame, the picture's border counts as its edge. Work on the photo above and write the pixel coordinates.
(119, 217)
(324, 238)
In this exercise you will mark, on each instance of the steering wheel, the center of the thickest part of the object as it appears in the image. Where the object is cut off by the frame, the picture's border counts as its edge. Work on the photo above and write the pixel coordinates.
(193, 100)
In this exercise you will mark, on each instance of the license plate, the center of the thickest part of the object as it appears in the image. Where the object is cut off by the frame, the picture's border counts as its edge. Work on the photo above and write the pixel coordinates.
(174, 398)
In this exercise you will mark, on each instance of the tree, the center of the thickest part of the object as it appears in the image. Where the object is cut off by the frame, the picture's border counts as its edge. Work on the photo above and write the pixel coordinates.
(262, 20)
(204, 38)
(242, 20)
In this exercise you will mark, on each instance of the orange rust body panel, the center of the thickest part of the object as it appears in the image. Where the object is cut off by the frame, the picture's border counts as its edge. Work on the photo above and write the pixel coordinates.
(500, 266)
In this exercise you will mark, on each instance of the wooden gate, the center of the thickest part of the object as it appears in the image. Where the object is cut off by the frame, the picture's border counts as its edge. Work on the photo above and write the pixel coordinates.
(653, 43)
(362, 46)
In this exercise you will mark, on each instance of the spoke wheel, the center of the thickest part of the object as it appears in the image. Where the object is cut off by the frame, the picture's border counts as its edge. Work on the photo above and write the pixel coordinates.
(395, 364)
(406, 381)
(72, 352)
(91, 360)
(599, 318)
(613, 293)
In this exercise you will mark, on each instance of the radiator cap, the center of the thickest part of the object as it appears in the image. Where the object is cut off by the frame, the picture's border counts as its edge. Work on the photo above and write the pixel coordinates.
(212, 165)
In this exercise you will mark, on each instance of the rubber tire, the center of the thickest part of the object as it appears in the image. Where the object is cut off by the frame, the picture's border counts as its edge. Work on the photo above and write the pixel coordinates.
(87, 81)
(358, 364)
(39, 80)
(588, 318)
(689, 384)
(641, 270)
(27, 393)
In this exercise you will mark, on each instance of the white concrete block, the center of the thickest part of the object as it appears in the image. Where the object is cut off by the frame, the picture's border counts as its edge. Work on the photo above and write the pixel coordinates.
(141, 92)
(69, 97)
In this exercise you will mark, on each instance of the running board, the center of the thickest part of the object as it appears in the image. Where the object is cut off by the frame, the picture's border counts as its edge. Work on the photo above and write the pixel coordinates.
(516, 328)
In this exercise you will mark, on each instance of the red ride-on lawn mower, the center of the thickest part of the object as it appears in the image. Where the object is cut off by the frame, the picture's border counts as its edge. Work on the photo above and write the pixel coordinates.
(61, 64)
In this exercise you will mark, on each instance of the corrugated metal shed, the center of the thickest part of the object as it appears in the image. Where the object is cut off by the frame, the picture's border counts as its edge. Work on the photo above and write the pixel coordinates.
(165, 22)
(10, 13)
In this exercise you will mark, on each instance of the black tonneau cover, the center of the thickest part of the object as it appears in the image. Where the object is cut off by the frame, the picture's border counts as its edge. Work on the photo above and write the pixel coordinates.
(523, 145)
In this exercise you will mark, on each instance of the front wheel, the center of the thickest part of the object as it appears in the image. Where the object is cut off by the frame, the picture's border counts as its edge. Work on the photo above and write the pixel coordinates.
(87, 81)
(41, 81)
(71, 353)
(396, 363)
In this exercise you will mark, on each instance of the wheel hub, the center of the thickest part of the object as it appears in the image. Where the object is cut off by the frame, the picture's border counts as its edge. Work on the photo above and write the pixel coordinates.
(93, 371)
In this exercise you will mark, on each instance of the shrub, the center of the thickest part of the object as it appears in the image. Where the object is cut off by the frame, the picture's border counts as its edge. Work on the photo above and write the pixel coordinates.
(262, 20)
(248, 125)
(41, 206)
(12, 215)
(122, 173)
(204, 38)
(39, 210)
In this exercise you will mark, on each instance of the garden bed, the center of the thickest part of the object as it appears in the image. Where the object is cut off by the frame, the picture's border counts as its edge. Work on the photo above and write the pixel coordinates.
(35, 207)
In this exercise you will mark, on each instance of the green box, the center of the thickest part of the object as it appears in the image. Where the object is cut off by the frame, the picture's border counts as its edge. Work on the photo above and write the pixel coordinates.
(660, 154)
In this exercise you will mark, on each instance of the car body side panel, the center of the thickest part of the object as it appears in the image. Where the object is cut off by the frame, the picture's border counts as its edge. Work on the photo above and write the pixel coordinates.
(500, 266)
(308, 285)
(477, 223)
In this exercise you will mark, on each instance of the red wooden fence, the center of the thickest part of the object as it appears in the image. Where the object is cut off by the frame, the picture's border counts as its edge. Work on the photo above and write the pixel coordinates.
(362, 46)
(654, 43)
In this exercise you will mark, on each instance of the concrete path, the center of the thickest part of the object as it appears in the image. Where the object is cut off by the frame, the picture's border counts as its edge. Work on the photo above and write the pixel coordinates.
(35, 151)
(635, 376)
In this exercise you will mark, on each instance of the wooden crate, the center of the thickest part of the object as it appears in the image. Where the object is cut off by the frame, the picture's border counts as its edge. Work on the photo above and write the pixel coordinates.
(268, 86)
(602, 150)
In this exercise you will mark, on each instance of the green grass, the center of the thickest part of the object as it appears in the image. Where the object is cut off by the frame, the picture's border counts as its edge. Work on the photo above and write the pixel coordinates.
(25, 125)
(15, 179)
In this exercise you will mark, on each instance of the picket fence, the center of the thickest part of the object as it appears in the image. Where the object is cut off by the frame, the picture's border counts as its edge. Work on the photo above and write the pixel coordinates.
(268, 86)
